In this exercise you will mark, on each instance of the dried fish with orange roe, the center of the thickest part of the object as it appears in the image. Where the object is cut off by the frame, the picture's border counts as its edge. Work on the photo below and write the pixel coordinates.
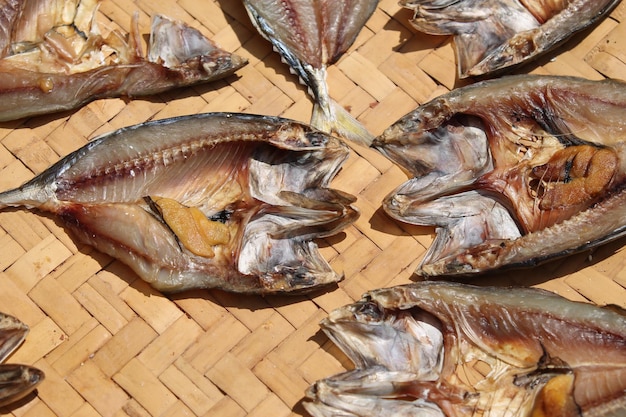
(437, 349)
(215, 200)
(512, 172)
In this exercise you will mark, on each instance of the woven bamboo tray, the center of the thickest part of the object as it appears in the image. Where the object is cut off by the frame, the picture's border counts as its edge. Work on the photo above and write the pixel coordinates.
(112, 346)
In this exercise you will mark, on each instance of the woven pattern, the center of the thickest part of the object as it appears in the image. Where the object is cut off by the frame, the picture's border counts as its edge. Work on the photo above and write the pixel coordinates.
(112, 346)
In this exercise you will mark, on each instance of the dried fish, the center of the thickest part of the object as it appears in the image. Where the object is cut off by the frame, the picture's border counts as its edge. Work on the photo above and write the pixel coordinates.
(492, 36)
(16, 381)
(55, 58)
(512, 172)
(215, 200)
(310, 35)
(440, 349)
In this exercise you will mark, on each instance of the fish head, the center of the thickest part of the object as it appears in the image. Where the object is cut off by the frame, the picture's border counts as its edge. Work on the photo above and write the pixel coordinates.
(398, 340)
(17, 381)
(445, 151)
(391, 348)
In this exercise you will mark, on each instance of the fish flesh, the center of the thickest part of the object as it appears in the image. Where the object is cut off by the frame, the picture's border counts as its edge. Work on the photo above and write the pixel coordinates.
(439, 349)
(493, 36)
(512, 172)
(55, 58)
(310, 35)
(16, 381)
(214, 200)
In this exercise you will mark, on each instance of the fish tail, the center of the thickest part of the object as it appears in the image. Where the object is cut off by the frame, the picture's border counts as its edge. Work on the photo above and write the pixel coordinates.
(24, 196)
(335, 119)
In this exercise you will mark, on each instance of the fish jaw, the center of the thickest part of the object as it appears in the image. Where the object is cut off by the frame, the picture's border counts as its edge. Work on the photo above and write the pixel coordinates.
(373, 336)
(488, 163)
(36, 83)
(490, 38)
(531, 368)
(363, 393)
(173, 44)
(263, 181)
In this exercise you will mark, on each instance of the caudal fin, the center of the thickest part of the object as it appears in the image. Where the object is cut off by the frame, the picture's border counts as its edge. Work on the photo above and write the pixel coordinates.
(337, 121)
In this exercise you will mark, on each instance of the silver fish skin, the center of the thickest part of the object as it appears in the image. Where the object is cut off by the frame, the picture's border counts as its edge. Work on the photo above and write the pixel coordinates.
(494, 36)
(512, 172)
(310, 35)
(72, 63)
(215, 200)
(12, 335)
(16, 381)
(454, 350)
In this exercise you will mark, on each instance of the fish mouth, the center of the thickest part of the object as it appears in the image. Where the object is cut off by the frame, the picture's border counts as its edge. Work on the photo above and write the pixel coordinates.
(511, 172)
(373, 335)
(449, 349)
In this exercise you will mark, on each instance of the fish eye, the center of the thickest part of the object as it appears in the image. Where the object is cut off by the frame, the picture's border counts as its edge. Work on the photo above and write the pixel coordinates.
(316, 138)
(369, 310)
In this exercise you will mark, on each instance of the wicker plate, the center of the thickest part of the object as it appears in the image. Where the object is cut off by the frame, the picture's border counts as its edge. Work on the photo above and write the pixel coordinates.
(112, 346)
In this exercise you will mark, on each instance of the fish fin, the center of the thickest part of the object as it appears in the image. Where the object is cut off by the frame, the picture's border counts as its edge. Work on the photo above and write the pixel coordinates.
(174, 44)
(338, 121)
(315, 218)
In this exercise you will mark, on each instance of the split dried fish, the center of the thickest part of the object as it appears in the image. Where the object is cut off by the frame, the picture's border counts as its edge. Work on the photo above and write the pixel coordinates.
(512, 172)
(436, 349)
(493, 36)
(215, 200)
(310, 35)
(16, 381)
(55, 58)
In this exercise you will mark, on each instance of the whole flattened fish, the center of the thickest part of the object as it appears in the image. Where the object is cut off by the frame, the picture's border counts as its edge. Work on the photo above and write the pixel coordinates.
(512, 172)
(436, 349)
(54, 58)
(491, 36)
(310, 35)
(215, 200)
(16, 381)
